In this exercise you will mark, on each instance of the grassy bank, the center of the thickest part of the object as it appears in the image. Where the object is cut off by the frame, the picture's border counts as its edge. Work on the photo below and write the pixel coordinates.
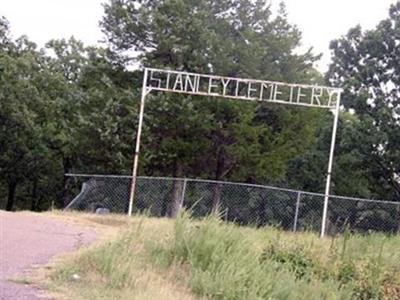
(186, 259)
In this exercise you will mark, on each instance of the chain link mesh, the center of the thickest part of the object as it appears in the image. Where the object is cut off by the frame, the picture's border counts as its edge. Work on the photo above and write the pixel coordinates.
(244, 204)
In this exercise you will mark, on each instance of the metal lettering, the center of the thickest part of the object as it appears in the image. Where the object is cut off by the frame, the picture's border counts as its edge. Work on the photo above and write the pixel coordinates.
(263, 85)
(331, 92)
(271, 93)
(211, 85)
(224, 85)
(276, 92)
(178, 80)
(249, 90)
(299, 94)
(291, 93)
(192, 84)
(168, 78)
(315, 96)
(238, 88)
(155, 79)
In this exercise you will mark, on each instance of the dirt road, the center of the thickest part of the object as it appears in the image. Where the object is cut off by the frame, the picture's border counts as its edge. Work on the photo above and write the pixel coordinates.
(30, 240)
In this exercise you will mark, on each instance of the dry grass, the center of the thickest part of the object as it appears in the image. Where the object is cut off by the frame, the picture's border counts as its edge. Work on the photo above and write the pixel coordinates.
(78, 275)
(148, 258)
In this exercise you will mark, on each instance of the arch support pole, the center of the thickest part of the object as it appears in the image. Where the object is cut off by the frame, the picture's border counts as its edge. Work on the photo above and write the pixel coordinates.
(330, 163)
(145, 91)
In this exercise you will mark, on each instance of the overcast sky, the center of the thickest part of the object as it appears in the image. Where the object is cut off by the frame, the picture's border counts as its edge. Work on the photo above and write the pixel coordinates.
(319, 20)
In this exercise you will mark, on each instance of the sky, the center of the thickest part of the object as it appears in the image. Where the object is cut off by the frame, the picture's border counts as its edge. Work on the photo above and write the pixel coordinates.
(320, 21)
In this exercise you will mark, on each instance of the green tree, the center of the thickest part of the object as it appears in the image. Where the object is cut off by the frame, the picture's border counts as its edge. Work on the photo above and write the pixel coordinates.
(91, 120)
(67, 107)
(366, 65)
(23, 155)
(234, 38)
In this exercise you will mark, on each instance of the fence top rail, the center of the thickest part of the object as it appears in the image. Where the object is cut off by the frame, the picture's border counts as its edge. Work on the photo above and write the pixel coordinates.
(376, 201)
(98, 175)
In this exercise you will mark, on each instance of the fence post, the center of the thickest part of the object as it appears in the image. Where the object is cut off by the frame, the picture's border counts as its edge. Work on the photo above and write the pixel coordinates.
(296, 214)
(183, 192)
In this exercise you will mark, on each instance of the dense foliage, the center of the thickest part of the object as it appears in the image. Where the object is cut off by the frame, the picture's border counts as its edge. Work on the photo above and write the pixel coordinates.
(63, 108)
(73, 108)
(366, 65)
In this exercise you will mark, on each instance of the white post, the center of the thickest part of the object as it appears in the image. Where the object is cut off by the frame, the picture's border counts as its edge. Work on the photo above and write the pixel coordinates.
(139, 133)
(296, 214)
(328, 177)
(183, 193)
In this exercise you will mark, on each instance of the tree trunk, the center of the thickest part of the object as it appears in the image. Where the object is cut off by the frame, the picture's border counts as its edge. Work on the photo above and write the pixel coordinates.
(176, 204)
(66, 193)
(12, 186)
(398, 215)
(164, 205)
(177, 190)
(262, 211)
(216, 198)
(398, 229)
(34, 201)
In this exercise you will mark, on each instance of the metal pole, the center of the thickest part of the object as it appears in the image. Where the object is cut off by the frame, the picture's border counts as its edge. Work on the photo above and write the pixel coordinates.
(139, 133)
(328, 177)
(183, 193)
(296, 214)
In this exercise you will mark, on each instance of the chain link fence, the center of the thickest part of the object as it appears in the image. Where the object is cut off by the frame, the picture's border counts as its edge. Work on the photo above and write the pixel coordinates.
(244, 204)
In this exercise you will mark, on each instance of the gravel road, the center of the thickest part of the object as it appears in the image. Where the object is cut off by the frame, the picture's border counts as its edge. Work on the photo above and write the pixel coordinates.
(28, 241)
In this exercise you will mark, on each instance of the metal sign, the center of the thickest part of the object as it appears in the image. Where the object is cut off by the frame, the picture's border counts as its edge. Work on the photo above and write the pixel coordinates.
(241, 89)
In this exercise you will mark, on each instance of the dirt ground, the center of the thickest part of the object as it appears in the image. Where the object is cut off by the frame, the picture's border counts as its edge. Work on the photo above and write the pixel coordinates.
(28, 241)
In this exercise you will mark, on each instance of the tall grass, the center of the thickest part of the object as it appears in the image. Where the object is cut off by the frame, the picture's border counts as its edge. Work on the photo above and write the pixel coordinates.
(231, 262)
(120, 268)
(188, 259)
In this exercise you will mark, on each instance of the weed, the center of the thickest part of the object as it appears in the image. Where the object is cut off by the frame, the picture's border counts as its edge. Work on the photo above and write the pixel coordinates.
(210, 259)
